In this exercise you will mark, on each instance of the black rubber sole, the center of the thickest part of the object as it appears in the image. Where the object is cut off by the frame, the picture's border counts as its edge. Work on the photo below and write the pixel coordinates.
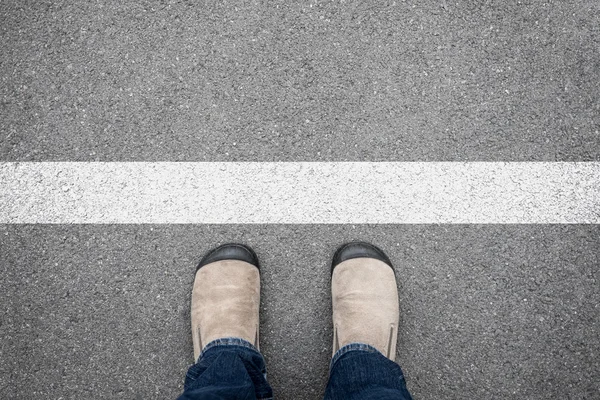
(230, 251)
(352, 250)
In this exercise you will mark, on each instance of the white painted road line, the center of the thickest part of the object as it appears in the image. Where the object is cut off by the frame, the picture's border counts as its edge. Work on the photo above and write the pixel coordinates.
(299, 192)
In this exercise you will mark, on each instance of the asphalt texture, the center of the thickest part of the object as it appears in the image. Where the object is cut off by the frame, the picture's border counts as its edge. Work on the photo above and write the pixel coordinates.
(487, 311)
(304, 81)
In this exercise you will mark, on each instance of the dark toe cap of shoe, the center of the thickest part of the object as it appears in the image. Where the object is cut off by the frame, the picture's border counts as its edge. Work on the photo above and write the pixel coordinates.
(230, 251)
(352, 250)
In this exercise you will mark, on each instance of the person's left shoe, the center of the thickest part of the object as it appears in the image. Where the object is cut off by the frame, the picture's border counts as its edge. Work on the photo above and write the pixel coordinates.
(226, 296)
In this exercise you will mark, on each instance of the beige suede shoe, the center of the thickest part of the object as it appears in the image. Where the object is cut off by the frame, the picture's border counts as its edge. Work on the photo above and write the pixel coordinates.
(365, 298)
(226, 296)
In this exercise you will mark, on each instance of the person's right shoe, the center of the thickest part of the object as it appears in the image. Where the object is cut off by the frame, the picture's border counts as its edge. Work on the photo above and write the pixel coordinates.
(365, 298)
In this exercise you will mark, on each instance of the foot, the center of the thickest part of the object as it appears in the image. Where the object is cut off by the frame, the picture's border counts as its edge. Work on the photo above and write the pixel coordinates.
(226, 296)
(365, 298)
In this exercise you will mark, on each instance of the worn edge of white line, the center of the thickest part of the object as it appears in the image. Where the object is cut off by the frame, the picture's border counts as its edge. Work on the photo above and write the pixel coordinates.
(299, 192)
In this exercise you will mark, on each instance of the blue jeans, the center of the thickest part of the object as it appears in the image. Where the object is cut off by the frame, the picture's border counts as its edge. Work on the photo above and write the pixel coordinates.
(233, 369)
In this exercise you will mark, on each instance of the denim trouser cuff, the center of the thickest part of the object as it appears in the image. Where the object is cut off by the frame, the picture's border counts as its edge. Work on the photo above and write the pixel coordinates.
(352, 347)
(227, 368)
(234, 368)
(228, 341)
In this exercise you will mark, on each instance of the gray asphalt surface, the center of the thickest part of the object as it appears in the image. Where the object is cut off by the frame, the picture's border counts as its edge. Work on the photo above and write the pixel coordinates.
(102, 311)
(268, 81)
(487, 312)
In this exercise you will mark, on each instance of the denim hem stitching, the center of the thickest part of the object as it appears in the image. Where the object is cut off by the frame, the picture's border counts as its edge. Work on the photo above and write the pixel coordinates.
(228, 341)
(352, 347)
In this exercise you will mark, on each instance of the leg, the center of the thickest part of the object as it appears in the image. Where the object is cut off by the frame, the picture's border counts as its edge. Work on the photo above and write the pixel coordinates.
(229, 368)
(359, 371)
(225, 307)
(365, 321)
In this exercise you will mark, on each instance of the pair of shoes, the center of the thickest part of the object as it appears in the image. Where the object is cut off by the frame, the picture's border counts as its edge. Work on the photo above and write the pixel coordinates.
(226, 297)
